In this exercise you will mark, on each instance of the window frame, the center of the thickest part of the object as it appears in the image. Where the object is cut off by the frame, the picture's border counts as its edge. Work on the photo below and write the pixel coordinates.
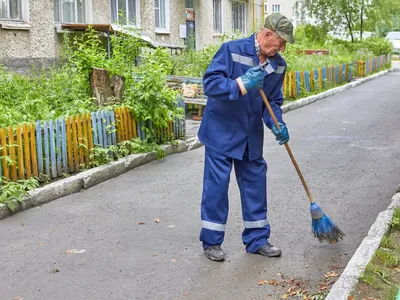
(21, 11)
(137, 16)
(221, 23)
(274, 6)
(244, 15)
(165, 30)
(87, 15)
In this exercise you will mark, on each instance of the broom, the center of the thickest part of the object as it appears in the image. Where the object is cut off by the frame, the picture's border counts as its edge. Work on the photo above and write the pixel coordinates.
(323, 227)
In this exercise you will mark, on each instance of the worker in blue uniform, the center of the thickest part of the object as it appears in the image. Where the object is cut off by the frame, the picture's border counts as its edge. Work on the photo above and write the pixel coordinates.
(232, 132)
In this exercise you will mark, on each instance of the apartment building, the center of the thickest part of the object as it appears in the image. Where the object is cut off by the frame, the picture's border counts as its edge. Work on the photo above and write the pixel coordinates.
(289, 8)
(31, 30)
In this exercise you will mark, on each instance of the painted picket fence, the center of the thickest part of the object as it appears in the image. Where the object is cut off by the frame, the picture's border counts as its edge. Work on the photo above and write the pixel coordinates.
(57, 147)
(298, 83)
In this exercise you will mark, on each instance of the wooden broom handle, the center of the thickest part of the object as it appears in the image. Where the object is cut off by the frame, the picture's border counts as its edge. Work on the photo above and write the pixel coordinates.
(271, 112)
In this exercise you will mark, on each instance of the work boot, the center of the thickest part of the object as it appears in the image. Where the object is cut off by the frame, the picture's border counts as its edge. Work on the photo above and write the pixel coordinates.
(215, 253)
(269, 250)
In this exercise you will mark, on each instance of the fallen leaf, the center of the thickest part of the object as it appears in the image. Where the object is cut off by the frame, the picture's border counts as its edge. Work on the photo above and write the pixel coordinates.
(261, 282)
(69, 251)
(157, 220)
(173, 260)
(186, 294)
(18, 298)
(331, 274)
(323, 288)
(350, 297)
(284, 296)
(55, 270)
(141, 223)
(272, 282)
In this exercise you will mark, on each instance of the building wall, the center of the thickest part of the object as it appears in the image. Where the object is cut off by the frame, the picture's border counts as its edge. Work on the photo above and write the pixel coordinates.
(287, 8)
(36, 44)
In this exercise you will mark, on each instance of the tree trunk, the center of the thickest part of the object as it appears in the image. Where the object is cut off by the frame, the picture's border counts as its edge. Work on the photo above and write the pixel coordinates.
(361, 20)
(104, 89)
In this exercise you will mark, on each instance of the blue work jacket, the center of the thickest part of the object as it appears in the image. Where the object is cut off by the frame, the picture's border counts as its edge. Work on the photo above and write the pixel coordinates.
(232, 121)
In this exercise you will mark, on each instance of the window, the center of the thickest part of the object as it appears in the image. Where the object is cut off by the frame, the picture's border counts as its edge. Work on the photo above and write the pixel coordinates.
(265, 7)
(238, 16)
(189, 4)
(71, 11)
(276, 8)
(125, 12)
(162, 15)
(217, 16)
(10, 9)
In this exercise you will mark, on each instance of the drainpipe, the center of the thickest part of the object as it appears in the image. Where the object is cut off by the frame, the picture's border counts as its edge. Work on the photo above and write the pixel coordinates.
(262, 13)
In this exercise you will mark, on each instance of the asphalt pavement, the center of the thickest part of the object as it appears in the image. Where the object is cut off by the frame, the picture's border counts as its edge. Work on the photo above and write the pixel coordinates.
(137, 236)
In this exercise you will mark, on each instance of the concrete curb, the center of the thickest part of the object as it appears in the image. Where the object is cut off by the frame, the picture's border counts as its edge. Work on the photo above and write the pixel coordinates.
(92, 177)
(89, 178)
(310, 99)
(363, 255)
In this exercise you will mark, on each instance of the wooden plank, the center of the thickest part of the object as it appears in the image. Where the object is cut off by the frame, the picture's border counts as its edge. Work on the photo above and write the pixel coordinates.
(90, 133)
(80, 140)
(347, 72)
(27, 151)
(75, 144)
(103, 123)
(70, 143)
(126, 132)
(307, 80)
(46, 148)
(113, 128)
(85, 139)
(298, 83)
(109, 128)
(284, 85)
(33, 150)
(52, 142)
(94, 129)
(64, 141)
(11, 150)
(39, 147)
(20, 154)
(5, 170)
(58, 148)
(302, 81)
(129, 124)
(99, 129)
(116, 121)
(320, 81)
(324, 79)
(316, 83)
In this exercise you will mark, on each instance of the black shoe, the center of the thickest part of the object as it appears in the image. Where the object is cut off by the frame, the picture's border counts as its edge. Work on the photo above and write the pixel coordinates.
(215, 253)
(269, 250)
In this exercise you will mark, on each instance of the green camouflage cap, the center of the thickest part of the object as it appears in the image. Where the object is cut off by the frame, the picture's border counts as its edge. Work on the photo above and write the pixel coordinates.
(281, 25)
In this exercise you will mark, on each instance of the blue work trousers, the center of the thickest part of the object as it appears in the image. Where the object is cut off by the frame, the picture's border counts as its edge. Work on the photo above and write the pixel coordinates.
(251, 178)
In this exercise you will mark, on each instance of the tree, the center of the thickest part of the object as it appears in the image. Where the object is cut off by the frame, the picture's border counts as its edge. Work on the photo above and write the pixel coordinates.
(353, 15)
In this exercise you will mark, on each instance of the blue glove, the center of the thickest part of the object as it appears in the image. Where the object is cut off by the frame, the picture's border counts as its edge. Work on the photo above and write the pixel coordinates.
(253, 78)
(281, 134)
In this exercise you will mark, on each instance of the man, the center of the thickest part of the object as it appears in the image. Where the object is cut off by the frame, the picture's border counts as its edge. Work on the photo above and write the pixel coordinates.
(232, 132)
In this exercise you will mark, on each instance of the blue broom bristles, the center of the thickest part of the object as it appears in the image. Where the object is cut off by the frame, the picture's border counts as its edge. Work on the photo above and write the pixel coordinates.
(323, 227)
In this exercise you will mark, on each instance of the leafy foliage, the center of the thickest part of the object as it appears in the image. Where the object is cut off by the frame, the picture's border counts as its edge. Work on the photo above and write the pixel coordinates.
(13, 192)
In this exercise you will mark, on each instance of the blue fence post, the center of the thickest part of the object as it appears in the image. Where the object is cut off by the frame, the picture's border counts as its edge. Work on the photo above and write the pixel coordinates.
(307, 80)
(103, 123)
(46, 148)
(64, 145)
(114, 135)
(316, 83)
(94, 129)
(58, 147)
(324, 77)
(39, 148)
(99, 129)
(298, 83)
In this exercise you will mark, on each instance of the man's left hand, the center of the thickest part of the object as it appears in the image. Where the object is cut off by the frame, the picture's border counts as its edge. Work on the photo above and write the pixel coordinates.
(281, 134)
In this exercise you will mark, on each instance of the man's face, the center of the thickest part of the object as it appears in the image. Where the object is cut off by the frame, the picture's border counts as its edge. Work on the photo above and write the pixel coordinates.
(271, 43)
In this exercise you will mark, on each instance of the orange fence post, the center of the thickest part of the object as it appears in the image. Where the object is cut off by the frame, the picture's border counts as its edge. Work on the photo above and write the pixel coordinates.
(20, 156)
(33, 149)
(12, 154)
(6, 173)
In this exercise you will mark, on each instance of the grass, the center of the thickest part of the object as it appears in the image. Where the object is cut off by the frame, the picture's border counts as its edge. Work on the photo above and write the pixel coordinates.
(381, 278)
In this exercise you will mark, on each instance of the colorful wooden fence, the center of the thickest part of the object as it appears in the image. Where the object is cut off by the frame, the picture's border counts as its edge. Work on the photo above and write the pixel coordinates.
(57, 147)
(298, 83)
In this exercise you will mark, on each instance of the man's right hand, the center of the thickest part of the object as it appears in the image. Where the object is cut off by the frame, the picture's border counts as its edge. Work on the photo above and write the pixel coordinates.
(253, 78)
